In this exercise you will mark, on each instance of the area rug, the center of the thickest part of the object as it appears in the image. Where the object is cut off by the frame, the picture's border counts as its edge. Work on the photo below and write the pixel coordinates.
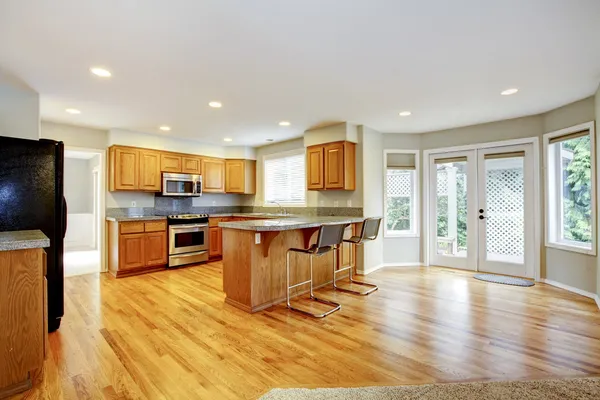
(556, 389)
(505, 280)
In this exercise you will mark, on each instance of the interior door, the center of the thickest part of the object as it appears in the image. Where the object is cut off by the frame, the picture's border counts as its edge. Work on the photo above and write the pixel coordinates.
(453, 197)
(506, 210)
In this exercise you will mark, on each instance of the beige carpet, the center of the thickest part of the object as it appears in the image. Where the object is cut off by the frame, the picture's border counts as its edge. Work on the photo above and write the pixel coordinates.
(559, 389)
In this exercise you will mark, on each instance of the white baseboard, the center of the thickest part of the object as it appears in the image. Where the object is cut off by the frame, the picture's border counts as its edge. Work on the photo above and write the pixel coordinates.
(375, 268)
(572, 289)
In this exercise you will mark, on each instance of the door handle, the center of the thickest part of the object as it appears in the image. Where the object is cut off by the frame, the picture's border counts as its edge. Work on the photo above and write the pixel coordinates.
(481, 211)
(481, 217)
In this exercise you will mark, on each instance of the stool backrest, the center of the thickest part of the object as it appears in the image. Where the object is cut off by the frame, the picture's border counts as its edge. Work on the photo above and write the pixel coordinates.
(370, 229)
(330, 235)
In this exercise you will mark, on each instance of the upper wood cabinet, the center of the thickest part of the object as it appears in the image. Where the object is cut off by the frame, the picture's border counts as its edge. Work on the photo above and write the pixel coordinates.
(191, 165)
(240, 176)
(123, 168)
(150, 179)
(315, 168)
(170, 163)
(331, 166)
(213, 175)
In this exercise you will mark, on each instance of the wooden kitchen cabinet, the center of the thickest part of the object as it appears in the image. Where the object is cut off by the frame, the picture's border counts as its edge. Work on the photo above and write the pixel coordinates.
(191, 165)
(123, 168)
(213, 175)
(156, 252)
(215, 242)
(240, 176)
(315, 168)
(331, 166)
(136, 247)
(170, 163)
(150, 177)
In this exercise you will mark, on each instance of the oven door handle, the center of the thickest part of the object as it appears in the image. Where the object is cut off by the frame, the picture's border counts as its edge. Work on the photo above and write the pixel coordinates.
(188, 228)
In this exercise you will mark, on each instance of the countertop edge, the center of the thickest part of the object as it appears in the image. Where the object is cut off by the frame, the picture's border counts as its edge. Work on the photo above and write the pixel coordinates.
(23, 240)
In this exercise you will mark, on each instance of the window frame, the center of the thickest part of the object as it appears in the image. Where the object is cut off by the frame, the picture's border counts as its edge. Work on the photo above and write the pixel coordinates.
(415, 232)
(277, 155)
(553, 197)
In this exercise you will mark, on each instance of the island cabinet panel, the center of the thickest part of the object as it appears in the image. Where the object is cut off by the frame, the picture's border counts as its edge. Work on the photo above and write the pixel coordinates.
(331, 166)
(253, 281)
(191, 165)
(123, 168)
(315, 168)
(170, 163)
(240, 176)
(136, 247)
(213, 175)
(150, 177)
(22, 312)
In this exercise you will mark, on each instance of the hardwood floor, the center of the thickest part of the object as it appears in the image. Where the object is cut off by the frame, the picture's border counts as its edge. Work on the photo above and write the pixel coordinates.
(170, 335)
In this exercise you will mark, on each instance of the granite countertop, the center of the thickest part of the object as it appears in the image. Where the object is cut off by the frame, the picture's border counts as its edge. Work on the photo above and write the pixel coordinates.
(22, 240)
(252, 215)
(128, 218)
(288, 224)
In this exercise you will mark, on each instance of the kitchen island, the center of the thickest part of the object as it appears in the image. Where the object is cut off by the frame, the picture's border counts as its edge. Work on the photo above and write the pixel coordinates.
(254, 258)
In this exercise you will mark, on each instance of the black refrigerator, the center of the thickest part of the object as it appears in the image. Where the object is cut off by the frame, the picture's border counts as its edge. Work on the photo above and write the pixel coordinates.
(31, 197)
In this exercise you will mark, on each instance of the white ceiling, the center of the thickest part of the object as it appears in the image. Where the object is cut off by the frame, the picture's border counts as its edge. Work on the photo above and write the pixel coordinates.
(306, 61)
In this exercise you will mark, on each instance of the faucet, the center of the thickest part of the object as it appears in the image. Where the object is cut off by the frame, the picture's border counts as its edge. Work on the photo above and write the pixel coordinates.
(281, 209)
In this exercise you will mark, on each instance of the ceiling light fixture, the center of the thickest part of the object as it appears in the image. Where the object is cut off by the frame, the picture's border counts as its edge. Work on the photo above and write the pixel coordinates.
(215, 104)
(228, 139)
(284, 123)
(165, 128)
(508, 92)
(405, 113)
(73, 111)
(101, 72)
(269, 140)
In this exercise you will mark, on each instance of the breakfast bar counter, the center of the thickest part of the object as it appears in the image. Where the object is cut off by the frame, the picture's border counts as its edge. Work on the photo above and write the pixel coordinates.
(254, 258)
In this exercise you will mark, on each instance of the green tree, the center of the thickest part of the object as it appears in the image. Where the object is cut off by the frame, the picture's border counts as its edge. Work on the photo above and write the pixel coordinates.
(577, 192)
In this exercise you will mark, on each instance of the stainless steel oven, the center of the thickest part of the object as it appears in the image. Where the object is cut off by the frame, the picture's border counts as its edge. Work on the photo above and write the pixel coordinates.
(181, 185)
(188, 239)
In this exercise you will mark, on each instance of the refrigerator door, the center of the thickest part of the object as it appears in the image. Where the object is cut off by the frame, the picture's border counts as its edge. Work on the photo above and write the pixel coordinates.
(31, 190)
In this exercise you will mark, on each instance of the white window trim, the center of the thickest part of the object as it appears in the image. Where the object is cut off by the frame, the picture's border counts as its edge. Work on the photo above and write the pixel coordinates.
(288, 153)
(417, 203)
(548, 175)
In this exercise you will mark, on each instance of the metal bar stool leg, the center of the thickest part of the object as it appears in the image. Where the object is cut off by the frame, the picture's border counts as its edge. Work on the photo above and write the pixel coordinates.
(350, 269)
(335, 306)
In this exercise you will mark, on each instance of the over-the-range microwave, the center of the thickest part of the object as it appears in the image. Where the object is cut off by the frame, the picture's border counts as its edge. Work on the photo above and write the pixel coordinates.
(181, 185)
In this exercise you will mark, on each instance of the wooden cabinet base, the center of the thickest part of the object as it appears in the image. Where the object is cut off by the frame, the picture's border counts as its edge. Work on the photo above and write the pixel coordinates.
(17, 388)
(137, 271)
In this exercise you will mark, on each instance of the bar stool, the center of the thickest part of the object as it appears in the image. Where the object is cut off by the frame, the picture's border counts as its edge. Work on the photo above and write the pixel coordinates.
(369, 232)
(329, 239)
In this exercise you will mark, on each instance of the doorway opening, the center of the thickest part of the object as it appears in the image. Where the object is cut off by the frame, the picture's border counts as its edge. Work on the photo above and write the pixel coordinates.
(482, 209)
(83, 177)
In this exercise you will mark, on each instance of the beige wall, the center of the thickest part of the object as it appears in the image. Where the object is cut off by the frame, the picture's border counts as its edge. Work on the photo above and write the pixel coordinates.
(75, 136)
(19, 108)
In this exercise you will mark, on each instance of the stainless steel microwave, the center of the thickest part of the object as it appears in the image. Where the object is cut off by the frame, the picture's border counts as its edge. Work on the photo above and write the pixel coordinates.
(181, 185)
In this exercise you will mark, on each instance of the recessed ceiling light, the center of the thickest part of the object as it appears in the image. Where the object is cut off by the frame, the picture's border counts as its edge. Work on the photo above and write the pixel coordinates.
(508, 92)
(269, 140)
(165, 128)
(215, 104)
(101, 72)
(284, 123)
(228, 139)
(405, 113)
(73, 111)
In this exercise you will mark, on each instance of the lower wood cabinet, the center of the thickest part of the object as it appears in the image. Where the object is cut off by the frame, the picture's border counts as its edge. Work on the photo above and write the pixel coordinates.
(215, 242)
(136, 247)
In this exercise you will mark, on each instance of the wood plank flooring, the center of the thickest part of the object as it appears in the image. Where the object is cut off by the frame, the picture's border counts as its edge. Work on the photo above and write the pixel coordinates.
(169, 335)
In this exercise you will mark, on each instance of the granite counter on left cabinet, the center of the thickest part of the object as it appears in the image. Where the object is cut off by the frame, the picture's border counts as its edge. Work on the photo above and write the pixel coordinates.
(22, 240)
(127, 218)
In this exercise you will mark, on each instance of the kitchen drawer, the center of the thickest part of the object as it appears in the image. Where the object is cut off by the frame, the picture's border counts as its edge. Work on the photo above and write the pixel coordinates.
(156, 226)
(131, 227)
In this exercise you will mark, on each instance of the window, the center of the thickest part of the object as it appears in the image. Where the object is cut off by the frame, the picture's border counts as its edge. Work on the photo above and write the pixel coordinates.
(400, 187)
(570, 213)
(285, 178)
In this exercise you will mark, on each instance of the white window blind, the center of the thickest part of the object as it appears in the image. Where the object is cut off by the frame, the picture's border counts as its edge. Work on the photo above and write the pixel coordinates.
(285, 178)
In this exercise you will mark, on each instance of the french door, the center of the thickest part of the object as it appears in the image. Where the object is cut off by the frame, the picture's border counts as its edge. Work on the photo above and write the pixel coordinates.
(481, 210)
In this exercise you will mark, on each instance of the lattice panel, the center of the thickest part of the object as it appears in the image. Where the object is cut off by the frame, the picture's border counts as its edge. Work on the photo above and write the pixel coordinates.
(505, 214)
(442, 182)
(399, 183)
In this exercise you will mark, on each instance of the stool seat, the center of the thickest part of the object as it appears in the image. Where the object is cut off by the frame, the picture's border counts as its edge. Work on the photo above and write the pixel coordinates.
(329, 239)
(369, 232)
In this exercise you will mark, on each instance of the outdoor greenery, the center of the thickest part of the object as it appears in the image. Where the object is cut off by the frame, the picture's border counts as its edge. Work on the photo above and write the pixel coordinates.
(398, 213)
(577, 191)
(461, 212)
